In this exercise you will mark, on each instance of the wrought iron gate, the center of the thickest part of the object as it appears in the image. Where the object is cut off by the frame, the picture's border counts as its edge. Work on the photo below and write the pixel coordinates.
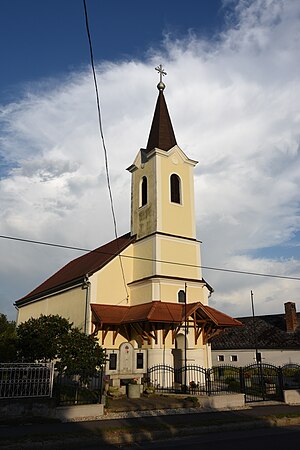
(262, 382)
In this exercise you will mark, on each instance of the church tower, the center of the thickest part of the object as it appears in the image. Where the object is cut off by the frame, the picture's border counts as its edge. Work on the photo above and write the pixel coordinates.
(163, 217)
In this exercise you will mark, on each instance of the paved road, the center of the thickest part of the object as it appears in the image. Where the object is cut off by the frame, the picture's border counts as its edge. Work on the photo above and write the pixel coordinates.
(262, 439)
(252, 413)
(64, 434)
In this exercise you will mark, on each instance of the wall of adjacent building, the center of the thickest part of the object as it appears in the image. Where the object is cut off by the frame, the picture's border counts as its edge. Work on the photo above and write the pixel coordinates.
(247, 356)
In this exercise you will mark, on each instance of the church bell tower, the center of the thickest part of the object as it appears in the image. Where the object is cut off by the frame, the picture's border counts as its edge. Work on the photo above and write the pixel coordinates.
(163, 214)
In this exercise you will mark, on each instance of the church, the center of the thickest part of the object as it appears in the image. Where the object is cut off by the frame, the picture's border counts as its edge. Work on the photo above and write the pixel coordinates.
(143, 294)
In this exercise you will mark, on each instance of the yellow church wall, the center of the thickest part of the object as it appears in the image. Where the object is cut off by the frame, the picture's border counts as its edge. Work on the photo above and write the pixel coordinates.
(70, 304)
(168, 341)
(108, 342)
(185, 253)
(173, 218)
(197, 294)
(107, 285)
(144, 249)
(190, 340)
(169, 291)
(141, 293)
(143, 217)
(166, 290)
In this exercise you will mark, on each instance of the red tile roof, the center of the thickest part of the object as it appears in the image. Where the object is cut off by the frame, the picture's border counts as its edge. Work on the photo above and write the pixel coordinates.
(75, 271)
(158, 312)
(220, 318)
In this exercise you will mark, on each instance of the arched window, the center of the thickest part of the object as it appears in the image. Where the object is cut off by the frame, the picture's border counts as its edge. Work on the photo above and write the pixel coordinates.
(175, 188)
(143, 191)
(181, 296)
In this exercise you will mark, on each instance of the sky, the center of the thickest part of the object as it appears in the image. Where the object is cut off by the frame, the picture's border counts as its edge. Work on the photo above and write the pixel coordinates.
(233, 93)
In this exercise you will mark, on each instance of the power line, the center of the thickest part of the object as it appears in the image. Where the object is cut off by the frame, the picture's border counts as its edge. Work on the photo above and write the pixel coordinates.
(102, 137)
(219, 269)
(30, 241)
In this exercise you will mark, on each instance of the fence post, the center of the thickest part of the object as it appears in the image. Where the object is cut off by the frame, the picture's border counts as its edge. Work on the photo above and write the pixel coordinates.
(280, 382)
(51, 368)
(242, 380)
(101, 383)
(208, 381)
(261, 380)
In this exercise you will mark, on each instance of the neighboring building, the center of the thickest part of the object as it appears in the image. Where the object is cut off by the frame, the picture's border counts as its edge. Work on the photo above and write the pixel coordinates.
(139, 292)
(276, 338)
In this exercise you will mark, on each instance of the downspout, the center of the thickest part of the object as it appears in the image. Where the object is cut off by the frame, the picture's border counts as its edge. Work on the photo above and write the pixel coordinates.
(86, 285)
(185, 339)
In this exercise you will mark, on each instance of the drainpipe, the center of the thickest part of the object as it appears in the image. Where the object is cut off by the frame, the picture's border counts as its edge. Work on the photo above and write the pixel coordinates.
(185, 338)
(86, 285)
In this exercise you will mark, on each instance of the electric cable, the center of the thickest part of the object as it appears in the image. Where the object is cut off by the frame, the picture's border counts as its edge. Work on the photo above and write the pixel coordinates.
(102, 138)
(85, 250)
(30, 241)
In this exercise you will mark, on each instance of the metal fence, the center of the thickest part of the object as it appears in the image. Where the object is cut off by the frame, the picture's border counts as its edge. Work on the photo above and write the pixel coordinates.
(21, 380)
(259, 382)
(291, 376)
(72, 391)
(26, 380)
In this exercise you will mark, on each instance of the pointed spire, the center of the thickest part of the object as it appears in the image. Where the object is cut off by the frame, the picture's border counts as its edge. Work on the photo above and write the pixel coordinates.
(161, 133)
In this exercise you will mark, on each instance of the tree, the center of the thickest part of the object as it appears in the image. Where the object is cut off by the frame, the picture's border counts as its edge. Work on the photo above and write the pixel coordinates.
(41, 339)
(8, 351)
(80, 355)
(50, 338)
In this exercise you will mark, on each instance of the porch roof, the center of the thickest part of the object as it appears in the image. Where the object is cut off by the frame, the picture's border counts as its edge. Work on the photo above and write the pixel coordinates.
(146, 319)
(158, 311)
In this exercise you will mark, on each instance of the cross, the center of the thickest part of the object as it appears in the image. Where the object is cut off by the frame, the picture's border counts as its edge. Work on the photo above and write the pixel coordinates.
(161, 72)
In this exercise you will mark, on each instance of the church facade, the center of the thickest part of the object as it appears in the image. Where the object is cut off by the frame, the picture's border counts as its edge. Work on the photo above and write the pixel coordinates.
(143, 294)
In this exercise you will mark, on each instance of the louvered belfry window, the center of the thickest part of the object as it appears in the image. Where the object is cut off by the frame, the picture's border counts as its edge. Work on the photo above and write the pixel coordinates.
(175, 188)
(144, 191)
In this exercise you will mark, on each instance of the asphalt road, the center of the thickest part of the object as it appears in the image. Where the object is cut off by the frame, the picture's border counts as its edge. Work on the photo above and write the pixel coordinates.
(261, 439)
(104, 434)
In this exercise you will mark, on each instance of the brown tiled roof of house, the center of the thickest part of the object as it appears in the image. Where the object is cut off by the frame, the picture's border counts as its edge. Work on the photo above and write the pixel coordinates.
(267, 332)
(161, 133)
(75, 271)
(158, 312)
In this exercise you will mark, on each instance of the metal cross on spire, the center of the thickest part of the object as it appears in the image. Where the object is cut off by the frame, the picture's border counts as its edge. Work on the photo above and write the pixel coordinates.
(161, 86)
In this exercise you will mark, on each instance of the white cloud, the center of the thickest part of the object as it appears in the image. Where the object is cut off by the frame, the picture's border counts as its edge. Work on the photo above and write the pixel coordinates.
(234, 104)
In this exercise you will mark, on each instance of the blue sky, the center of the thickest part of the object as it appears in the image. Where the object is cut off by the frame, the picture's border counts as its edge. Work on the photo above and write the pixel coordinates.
(233, 92)
(48, 38)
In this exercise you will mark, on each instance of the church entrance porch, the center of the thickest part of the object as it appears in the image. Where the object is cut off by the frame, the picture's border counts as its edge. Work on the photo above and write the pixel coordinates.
(156, 333)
